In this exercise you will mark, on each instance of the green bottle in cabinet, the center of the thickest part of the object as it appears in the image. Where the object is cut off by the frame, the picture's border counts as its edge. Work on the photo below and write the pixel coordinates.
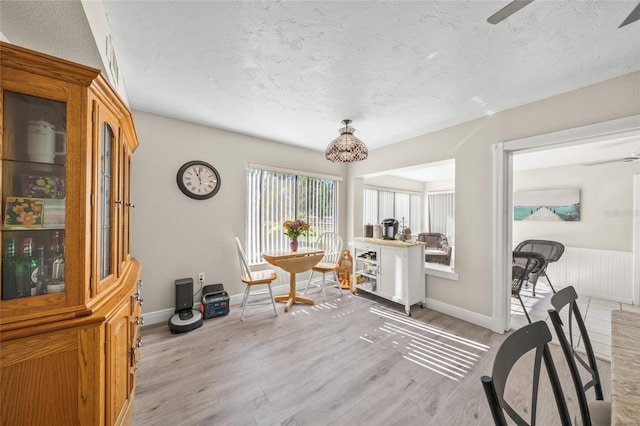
(9, 286)
(26, 268)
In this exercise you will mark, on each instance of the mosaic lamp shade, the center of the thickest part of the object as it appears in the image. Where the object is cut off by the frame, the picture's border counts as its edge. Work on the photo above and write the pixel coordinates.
(346, 148)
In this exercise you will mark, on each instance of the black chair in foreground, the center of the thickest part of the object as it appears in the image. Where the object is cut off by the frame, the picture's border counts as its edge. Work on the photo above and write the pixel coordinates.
(535, 336)
(596, 412)
(524, 264)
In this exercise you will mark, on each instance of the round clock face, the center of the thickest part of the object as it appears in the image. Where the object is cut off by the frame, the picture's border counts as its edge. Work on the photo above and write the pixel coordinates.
(198, 180)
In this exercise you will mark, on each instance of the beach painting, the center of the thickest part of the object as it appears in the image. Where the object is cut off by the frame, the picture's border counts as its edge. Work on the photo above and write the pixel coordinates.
(547, 205)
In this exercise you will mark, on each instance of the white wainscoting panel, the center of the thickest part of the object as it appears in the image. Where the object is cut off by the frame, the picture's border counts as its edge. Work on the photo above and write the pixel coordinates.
(606, 274)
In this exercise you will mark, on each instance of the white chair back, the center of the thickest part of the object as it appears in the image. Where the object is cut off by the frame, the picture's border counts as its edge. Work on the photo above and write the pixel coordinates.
(331, 243)
(244, 266)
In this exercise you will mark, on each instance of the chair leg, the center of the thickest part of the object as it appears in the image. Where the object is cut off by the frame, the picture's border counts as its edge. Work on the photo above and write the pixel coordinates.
(524, 309)
(309, 282)
(337, 280)
(244, 301)
(549, 281)
(323, 284)
(273, 302)
(324, 295)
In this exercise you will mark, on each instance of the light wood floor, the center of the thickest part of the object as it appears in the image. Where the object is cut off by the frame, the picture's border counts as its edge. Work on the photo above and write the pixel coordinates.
(356, 360)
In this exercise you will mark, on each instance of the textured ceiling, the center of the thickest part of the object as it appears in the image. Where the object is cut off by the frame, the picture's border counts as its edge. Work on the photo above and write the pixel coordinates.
(290, 71)
(58, 28)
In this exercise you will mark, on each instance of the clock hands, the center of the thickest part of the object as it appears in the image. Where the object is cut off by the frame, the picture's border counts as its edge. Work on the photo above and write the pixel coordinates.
(205, 187)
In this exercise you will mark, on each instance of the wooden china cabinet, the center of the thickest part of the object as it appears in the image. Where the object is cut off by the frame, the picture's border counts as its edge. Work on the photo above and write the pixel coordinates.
(70, 304)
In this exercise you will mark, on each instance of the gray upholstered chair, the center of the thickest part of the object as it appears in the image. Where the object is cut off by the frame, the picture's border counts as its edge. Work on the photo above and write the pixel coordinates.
(437, 249)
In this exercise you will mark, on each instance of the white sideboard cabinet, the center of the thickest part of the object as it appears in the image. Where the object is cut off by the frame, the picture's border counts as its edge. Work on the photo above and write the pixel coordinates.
(390, 269)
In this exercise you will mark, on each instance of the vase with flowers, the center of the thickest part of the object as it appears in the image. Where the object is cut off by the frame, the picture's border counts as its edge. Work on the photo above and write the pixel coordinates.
(293, 229)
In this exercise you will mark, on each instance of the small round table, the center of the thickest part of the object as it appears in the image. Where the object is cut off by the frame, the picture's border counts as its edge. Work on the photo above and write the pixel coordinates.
(294, 262)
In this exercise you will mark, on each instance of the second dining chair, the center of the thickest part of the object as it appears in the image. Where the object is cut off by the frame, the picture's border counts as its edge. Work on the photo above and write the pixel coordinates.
(523, 265)
(254, 278)
(331, 244)
(596, 412)
(534, 338)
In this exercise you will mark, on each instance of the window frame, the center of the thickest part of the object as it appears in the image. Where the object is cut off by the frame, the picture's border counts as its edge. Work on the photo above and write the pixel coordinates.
(449, 235)
(415, 224)
(263, 236)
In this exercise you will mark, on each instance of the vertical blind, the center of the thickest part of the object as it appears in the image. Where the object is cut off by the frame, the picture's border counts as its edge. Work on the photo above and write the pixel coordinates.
(273, 198)
(370, 203)
(442, 213)
(380, 205)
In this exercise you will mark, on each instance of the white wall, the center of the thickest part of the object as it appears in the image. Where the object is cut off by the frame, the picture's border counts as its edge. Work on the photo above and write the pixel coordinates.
(606, 204)
(471, 146)
(439, 185)
(394, 183)
(174, 236)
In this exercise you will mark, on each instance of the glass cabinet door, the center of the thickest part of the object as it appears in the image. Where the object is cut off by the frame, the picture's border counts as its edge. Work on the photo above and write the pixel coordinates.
(34, 156)
(106, 201)
(109, 205)
(125, 187)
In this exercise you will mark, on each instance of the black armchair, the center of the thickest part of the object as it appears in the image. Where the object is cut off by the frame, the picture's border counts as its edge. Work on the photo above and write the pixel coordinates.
(550, 250)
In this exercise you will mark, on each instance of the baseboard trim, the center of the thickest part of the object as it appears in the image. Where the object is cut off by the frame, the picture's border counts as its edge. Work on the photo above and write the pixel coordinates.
(474, 318)
(163, 315)
(492, 324)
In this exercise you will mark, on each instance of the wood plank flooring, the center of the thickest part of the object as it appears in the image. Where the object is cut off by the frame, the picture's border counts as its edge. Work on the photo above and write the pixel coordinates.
(355, 360)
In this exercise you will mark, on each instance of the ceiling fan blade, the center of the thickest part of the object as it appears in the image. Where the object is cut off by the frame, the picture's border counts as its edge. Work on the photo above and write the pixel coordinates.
(617, 160)
(599, 163)
(633, 16)
(508, 10)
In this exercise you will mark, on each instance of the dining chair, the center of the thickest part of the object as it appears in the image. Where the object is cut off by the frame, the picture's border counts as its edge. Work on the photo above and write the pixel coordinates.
(532, 337)
(254, 278)
(551, 250)
(523, 265)
(596, 412)
(331, 244)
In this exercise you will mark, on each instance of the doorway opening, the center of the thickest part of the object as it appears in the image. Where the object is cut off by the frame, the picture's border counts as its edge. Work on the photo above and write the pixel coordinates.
(505, 162)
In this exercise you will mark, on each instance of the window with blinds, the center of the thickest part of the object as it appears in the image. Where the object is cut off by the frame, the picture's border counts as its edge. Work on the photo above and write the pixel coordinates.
(442, 213)
(275, 197)
(380, 205)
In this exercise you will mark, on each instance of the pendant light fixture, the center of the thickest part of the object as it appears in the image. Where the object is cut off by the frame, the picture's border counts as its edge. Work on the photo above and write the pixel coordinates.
(346, 148)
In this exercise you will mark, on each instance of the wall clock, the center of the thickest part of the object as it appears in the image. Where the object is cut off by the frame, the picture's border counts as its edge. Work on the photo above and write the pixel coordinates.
(198, 180)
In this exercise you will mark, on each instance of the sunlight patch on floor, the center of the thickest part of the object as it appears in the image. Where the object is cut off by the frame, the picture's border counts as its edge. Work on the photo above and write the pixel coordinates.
(432, 348)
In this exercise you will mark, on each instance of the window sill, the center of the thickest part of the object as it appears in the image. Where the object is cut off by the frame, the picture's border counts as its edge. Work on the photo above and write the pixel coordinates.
(440, 271)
